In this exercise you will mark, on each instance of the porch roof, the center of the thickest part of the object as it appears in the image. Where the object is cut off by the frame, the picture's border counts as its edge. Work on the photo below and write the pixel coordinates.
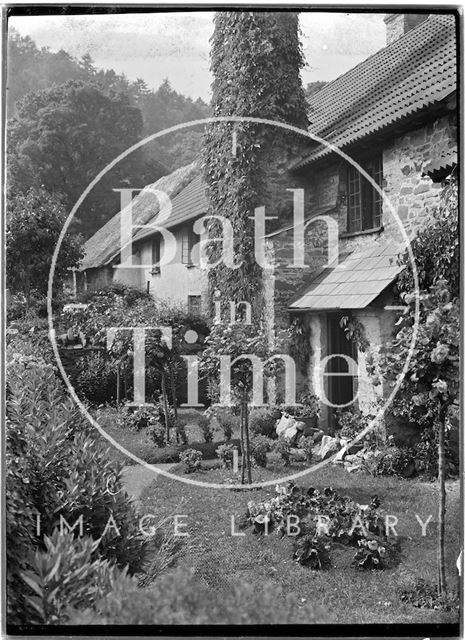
(355, 282)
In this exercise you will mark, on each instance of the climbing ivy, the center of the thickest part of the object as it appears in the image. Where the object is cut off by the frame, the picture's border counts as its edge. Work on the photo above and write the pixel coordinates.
(256, 59)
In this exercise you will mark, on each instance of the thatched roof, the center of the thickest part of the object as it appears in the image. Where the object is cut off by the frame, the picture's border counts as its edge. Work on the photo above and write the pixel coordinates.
(105, 243)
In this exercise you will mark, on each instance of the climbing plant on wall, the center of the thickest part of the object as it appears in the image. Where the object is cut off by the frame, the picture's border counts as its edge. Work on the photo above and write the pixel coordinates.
(256, 59)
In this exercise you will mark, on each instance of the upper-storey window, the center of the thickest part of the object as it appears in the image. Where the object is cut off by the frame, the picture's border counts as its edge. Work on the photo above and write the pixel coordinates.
(364, 202)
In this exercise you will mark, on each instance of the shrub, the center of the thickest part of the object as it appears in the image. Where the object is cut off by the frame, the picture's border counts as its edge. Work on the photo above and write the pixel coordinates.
(306, 445)
(181, 433)
(58, 466)
(157, 433)
(178, 598)
(308, 406)
(141, 418)
(262, 422)
(206, 428)
(95, 379)
(425, 595)
(227, 422)
(394, 461)
(259, 447)
(65, 574)
(283, 449)
(225, 453)
(191, 458)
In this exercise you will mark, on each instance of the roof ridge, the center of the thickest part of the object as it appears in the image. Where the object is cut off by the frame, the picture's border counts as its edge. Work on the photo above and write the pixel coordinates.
(394, 44)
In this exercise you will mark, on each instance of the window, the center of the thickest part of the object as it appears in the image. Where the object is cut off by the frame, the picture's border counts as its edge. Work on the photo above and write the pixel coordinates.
(364, 203)
(194, 305)
(156, 254)
(189, 239)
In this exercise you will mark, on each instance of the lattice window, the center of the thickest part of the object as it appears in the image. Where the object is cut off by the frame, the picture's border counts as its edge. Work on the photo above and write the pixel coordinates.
(364, 204)
(194, 305)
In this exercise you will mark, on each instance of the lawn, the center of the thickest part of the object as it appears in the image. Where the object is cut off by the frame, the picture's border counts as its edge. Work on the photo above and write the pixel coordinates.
(220, 559)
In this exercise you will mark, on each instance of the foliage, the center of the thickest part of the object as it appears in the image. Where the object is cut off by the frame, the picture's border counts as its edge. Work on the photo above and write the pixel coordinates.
(227, 422)
(67, 573)
(256, 58)
(192, 460)
(178, 598)
(306, 444)
(394, 461)
(425, 595)
(57, 467)
(206, 428)
(308, 406)
(225, 453)
(312, 552)
(436, 247)
(35, 219)
(350, 423)
(317, 519)
(283, 449)
(63, 136)
(355, 331)
(263, 422)
(157, 432)
(95, 378)
(259, 447)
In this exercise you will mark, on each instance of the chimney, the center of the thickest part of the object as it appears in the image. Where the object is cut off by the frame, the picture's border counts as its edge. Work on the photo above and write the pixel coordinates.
(399, 23)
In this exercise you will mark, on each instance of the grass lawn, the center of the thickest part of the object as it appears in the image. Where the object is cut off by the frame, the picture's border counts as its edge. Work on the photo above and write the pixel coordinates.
(350, 596)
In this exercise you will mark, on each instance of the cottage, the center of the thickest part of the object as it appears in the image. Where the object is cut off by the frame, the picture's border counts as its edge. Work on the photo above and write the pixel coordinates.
(393, 116)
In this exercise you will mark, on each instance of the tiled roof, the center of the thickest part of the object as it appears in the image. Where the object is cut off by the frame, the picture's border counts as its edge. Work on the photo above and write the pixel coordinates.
(411, 73)
(355, 282)
(441, 161)
(189, 204)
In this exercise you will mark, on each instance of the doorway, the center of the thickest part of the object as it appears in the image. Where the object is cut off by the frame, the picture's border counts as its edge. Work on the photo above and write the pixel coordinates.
(341, 386)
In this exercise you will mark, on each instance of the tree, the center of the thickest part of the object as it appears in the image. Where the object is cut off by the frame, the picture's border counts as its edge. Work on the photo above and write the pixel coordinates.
(430, 388)
(62, 137)
(237, 341)
(34, 223)
(256, 59)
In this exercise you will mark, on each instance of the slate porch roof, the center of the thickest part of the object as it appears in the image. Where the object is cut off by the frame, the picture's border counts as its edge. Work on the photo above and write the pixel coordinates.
(411, 73)
(355, 282)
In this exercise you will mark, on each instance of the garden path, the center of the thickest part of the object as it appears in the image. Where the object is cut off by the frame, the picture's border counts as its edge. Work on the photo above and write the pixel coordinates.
(136, 477)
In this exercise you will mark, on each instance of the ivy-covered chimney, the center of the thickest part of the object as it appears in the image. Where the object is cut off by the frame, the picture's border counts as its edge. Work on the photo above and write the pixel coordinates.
(399, 23)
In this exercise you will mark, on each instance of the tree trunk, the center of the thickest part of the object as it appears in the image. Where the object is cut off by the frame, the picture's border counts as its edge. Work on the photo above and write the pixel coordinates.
(442, 502)
(247, 441)
(243, 456)
(174, 398)
(165, 406)
(118, 385)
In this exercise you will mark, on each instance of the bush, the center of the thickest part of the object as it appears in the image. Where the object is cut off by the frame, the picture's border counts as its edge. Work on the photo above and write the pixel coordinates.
(425, 595)
(259, 447)
(65, 574)
(57, 466)
(95, 379)
(283, 449)
(181, 433)
(191, 458)
(179, 598)
(141, 418)
(225, 453)
(227, 422)
(394, 461)
(157, 433)
(262, 422)
(206, 428)
(306, 445)
(308, 406)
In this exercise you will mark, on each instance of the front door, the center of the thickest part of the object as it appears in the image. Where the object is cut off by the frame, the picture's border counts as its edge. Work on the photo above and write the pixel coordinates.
(341, 388)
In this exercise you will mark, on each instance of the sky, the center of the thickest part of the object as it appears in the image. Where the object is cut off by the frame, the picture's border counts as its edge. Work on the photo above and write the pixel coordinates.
(176, 45)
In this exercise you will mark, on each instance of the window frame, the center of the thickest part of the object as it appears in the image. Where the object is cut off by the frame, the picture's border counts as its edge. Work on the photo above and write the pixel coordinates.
(188, 240)
(364, 203)
(198, 303)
